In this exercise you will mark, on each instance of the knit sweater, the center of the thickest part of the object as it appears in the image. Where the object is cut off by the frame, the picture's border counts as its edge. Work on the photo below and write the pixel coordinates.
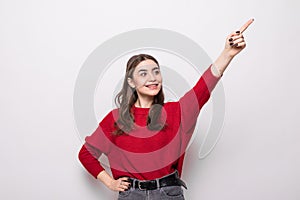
(142, 153)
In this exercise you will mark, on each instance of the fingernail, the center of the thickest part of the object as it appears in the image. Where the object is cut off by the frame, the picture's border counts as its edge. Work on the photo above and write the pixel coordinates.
(231, 43)
(237, 31)
(230, 39)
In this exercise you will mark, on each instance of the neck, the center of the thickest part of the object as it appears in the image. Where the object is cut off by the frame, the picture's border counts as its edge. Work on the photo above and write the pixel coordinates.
(144, 102)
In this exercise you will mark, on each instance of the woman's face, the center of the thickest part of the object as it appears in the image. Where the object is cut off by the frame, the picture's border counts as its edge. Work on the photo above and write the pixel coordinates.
(146, 79)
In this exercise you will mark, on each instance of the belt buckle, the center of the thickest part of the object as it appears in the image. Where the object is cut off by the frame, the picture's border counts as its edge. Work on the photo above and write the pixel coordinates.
(139, 185)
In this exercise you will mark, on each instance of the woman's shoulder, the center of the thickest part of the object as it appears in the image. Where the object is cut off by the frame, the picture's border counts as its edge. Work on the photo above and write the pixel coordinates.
(110, 117)
(171, 105)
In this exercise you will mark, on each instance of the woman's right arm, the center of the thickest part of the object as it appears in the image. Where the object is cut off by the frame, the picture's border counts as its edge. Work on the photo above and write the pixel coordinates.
(88, 156)
(95, 145)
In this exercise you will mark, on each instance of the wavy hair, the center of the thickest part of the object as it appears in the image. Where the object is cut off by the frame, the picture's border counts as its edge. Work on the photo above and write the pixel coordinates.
(126, 98)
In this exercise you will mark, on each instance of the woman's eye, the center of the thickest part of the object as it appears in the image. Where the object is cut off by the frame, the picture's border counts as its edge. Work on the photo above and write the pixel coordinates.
(156, 72)
(143, 74)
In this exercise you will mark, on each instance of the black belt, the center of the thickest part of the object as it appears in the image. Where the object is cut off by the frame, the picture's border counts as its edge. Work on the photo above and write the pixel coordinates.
(169, 180)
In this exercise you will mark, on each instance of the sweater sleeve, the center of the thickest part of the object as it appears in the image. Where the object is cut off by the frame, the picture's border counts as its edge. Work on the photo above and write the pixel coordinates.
(192, 102)
(89, 156)
(97, 143)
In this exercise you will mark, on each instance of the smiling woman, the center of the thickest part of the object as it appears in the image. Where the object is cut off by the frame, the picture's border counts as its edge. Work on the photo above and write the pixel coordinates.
(142, 87)
(145, 138)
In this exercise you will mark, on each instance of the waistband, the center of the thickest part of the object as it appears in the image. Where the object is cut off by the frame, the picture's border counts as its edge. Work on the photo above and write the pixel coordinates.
(168, 180)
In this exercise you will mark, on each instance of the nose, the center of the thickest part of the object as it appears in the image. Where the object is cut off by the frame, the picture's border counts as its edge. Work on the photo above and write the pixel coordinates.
(152, 77)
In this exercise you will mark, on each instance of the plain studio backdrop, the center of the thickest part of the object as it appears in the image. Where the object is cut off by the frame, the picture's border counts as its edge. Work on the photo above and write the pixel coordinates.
(43, 45)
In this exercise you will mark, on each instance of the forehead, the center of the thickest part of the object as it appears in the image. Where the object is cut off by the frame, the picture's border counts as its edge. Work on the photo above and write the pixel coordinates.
(146, 64)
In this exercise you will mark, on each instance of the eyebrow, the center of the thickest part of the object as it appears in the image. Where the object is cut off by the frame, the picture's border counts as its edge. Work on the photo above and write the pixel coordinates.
(144, 70)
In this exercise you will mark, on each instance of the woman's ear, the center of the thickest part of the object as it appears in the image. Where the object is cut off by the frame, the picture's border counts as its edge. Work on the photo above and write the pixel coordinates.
(130, 82)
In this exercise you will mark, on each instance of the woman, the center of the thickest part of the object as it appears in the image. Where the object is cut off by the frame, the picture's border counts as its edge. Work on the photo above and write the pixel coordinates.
(145, 138)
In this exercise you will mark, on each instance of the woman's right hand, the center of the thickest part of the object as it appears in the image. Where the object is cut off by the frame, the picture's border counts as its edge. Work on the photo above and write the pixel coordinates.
(120, 184)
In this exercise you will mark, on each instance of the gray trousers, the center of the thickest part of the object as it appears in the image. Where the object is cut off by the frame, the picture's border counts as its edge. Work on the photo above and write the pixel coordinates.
(163, 193)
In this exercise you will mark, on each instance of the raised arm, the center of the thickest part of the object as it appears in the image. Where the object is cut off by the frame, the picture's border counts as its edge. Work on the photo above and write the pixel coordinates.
(192, 102)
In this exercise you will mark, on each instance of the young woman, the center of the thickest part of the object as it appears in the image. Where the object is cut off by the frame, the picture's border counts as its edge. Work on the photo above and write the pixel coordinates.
(145, 138)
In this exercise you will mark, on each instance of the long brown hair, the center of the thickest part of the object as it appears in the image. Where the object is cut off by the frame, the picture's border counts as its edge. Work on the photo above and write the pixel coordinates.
(126, 98)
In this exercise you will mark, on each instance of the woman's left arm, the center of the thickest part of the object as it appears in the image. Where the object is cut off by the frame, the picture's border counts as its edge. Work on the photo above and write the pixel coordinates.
(192, 102)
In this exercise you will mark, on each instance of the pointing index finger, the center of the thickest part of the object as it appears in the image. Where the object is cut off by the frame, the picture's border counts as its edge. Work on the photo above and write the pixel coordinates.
(245, 26)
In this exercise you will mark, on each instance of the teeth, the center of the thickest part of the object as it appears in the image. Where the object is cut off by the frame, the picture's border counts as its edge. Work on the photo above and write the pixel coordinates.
(151, 85)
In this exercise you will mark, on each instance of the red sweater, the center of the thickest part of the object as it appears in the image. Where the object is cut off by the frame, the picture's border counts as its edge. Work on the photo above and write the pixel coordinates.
(146, 154)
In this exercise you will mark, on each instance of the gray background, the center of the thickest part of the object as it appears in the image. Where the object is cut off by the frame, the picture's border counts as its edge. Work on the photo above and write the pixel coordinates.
(44, 43)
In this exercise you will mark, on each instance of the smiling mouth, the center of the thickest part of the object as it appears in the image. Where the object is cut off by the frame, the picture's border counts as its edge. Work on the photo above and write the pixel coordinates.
(152, 86)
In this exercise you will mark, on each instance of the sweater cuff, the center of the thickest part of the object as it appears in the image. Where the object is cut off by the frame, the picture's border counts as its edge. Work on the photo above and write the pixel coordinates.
(210, 79)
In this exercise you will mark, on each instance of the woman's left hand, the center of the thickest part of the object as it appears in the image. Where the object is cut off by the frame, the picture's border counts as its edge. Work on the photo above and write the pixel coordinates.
(235, 42)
